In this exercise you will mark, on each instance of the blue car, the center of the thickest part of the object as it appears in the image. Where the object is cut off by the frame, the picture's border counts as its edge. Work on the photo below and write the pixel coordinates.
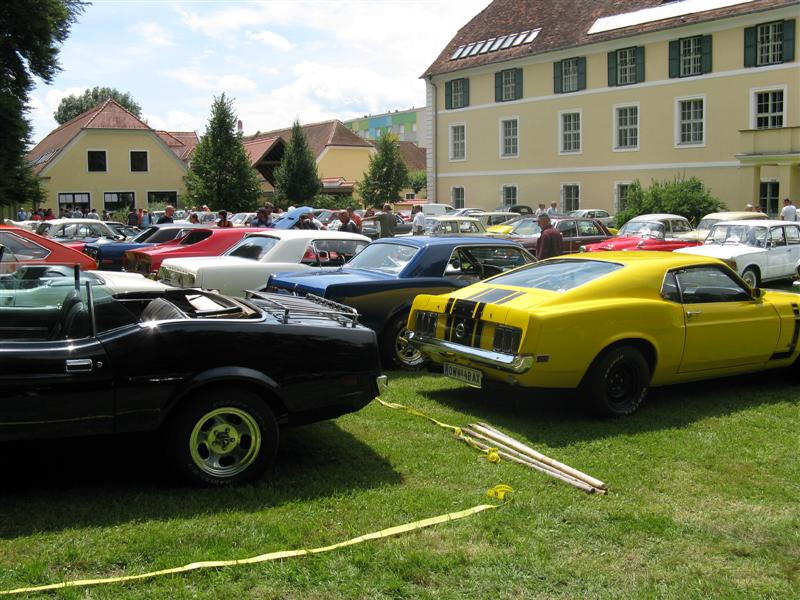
(109, 255)
(383, 279)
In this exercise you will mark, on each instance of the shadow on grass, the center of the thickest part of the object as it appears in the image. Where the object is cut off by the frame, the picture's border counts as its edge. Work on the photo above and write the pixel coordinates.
(58, 484)
(559, 418)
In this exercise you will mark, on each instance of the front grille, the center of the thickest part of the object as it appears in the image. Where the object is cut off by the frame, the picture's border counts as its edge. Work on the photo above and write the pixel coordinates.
(426, 323)
(507, 339)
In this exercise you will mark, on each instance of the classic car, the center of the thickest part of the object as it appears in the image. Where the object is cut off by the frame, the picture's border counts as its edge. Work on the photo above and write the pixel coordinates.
(382, 281)
(594, 213)
(79, 230)
(453, 226)
(643, 319)
(109, 256)
(576, 232)
(759, 251)
(83, 360)
(648, 232)
(242, 219)
(700, 233)
(29, 247)
(461, 212)
(205, 241)
(488, 219)
(248, 264)
(370, 228)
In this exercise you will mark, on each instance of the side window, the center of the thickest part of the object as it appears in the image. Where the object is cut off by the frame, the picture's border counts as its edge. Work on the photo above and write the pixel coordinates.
(792, 235)
(22, 248)
(568, 228)
(587, 228)
(679, 226)
(709, 284)
(461, 264)
(776, 236)
(496, 259)
(669, 289)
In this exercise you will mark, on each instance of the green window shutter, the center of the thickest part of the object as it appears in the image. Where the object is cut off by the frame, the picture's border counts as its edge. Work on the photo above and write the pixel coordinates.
(639, 64)
(749, 46)
(498, 86)
(788, 41)
(675, 58)
(705, 53)
(448, 95)
(465, 88)
(582, 73)
(557, 87)
(517, 84)
(612, 69)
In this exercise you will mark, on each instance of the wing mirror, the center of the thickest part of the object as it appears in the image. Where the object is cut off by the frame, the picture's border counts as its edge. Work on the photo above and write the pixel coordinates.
(323, 255)
(756, 293)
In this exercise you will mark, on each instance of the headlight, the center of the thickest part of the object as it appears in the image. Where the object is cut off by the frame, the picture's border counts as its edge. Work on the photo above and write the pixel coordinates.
(426, 323)
(507, 339)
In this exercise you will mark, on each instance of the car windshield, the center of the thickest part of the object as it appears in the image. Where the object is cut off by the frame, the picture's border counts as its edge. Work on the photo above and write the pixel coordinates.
(643, 229)
(430, 225)
(557, 275)
(746, 235)
(254, 248)
(707, 224)
(389, 258)
(526, 227)
(576, 213)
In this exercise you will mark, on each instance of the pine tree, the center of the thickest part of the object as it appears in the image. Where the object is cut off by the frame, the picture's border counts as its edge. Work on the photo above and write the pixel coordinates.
(387, 174)
(221, 174)
(296, 179)
(73, 105)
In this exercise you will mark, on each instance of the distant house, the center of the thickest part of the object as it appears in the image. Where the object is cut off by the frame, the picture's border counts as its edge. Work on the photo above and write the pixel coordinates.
(109, 159)
(407, 125)
(415, 159)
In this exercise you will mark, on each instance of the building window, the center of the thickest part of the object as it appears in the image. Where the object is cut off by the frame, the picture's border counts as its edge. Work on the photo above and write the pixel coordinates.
(626, 66)
(97, 161)
(170, 198)
(768, 198)
(626, 127)
(456, 93)
(769, 43)
(768, 109)
(570, 132)
(458, 197)
(509, 138)
(691, 121)
(569, 75)
(570, 197)
(509, 194)
(691, 59)
(458, 142)
(118, 201)
(138, 161)
(71, 199)
(508, 85)
(621, 196)
(690, 56)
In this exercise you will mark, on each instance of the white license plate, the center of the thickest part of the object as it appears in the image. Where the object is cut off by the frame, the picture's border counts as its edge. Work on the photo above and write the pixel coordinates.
(466, 375)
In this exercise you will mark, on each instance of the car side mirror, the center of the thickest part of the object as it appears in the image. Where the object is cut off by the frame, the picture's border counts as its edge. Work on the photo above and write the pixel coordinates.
(756, 293)
(323, 255)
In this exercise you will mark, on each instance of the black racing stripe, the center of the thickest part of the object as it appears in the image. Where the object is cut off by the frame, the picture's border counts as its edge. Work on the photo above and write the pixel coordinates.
(479, 294)
(510, 298)
(476, 335)
(493, 295)
(449, 305)
(795, 336)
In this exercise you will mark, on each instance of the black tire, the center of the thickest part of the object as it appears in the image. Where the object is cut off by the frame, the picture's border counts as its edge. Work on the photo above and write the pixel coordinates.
(394, 352)
(751, 277)
(617, 381)
(222, 437)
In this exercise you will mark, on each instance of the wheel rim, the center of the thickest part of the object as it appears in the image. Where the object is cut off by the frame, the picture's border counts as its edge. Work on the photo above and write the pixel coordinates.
(225, 442)
(750, 278)
(620, 384)
(406, 354)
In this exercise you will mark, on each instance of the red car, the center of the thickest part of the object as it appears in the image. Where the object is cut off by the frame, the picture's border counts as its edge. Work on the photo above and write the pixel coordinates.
(576, 232)
(200, 242)
(28, 247)
(648, 232)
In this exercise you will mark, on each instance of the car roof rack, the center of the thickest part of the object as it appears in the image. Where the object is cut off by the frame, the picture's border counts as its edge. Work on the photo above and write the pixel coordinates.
(307, 305)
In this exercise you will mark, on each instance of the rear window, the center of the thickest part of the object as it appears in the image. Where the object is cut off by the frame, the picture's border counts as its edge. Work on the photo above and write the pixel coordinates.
(557, 275)
(254, 248)
(164, 235)
(195, 236)
(22, 248)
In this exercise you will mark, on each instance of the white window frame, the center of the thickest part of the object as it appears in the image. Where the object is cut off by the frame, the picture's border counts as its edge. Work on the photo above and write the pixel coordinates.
(754, 104)
(460, 92)
(617, 184)
(564, 75)
(694, 59)
(453, 189)
(678, 101)
(121, 192)
(450, 147)
(501, 121)
(774, 48)
(147, 152)
(503, 189)
(630, 68)
(563, 198)
(561, 149)
(508, 85)
(108, 163)
(615, 121)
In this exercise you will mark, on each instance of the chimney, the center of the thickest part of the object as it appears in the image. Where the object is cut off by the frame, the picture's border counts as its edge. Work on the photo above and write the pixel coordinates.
(239, 125)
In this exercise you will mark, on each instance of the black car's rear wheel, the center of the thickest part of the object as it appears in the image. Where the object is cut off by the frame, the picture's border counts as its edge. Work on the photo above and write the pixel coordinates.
(395, 348)
(617, 381)
(222, 437)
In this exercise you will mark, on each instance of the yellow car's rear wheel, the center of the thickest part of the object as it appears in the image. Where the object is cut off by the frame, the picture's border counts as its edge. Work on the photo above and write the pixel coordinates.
(617, 381)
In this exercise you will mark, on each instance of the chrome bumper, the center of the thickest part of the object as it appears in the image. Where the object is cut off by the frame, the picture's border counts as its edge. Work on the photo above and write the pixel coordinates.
(382, 382)
(516, 363)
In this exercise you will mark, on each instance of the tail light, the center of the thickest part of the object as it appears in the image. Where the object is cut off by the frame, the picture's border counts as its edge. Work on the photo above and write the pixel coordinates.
(507, 339)
(426, 323)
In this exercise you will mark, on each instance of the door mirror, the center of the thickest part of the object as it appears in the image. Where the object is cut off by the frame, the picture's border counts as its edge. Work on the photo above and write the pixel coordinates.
(323, 255)
(757, 293)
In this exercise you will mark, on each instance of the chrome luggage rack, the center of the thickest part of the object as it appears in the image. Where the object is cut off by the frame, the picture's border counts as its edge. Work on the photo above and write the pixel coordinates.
(309, 305)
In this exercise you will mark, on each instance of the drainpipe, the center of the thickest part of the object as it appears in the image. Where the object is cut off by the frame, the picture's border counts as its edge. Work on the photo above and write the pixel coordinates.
(434, 125)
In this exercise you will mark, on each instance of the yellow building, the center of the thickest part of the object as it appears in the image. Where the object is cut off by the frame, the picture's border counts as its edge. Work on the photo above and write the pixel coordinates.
(535, 101)
(108, 159)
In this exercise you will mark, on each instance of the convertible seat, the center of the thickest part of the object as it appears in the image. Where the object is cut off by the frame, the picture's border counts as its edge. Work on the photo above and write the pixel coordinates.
(160, 309)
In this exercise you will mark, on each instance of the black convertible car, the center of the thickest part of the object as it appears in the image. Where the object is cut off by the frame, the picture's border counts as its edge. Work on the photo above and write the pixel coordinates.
(217, 375)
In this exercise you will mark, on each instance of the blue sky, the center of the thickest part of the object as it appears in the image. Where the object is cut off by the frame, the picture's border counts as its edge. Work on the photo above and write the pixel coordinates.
(278, 59)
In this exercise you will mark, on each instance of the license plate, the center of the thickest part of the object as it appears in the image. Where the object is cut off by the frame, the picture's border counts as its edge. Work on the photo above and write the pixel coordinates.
(472, 377)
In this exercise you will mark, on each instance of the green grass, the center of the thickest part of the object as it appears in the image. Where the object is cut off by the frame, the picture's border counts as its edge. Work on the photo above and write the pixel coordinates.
(703, 503)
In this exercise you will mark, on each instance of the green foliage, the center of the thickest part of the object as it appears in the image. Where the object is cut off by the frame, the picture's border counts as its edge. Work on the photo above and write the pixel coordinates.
(685, 197)
(296, 178)
(221, 175)
(32, 31)
(337, 201)
(386, 176)
(417, 180)
(73, 105)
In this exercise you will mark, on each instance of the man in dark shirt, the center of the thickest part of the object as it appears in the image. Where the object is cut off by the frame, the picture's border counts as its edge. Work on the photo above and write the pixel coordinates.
(167, 216)
(549, 242)
(347, 223)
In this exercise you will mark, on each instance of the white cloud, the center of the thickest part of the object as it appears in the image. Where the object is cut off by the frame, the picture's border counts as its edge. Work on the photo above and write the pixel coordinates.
(175, 120)
(271, 39)
(153, 33)
(217, 83)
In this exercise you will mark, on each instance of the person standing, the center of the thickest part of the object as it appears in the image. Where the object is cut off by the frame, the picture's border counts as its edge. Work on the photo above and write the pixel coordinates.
(262, 219)
(388, 221)
(553, 210)
(133, 218)
(167, 216)
(418, 223)
(22, 215)
(347, 223)
(541, 210)
(92, 214)
(789, 211)
(550, 240)
(354, 217)
(223, 219)
(77, 213)
(146, 220)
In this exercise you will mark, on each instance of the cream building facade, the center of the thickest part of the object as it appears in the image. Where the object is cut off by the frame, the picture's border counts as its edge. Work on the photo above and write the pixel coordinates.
(580, 103)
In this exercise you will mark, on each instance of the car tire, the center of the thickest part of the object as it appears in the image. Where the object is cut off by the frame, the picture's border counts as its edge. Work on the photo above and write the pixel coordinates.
(395, 349)
(617, 381)
(222, 437)
(751, 277)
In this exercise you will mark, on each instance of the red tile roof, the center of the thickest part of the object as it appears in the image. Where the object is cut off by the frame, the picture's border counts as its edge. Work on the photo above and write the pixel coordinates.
(413, 156)
(564, 24)
(319, 135)
(258, 146)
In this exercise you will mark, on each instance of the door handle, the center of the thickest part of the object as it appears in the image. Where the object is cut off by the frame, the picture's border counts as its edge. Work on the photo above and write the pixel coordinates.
(693, 313)
(79, 365)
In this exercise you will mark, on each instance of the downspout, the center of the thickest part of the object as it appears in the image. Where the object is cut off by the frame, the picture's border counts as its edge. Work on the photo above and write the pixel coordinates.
(434, 125)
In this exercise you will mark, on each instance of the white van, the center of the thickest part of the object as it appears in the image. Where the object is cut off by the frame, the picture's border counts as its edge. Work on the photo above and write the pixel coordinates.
(436, 210)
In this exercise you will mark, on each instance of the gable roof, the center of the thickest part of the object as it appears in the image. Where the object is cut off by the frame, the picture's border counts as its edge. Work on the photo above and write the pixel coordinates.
(566, 23)
(414, 157)
(320, 136)
(182, 143)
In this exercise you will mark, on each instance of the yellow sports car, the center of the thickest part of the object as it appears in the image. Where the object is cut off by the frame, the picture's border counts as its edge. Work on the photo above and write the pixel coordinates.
(609, 325)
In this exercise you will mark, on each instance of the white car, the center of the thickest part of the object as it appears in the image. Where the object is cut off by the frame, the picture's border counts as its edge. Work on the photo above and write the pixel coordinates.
(453, 226)
(759, 251)
(706, 223)
(594, 213)
(248, 264)
(78, 229)
(494, 218)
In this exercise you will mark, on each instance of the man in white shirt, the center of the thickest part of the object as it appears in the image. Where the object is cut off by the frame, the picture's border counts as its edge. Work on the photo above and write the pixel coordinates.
(553, 210)
(789, 212)
(418, 224)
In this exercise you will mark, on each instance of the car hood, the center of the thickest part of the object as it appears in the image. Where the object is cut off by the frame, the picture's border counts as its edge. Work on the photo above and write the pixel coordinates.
(318, 279)
(696, 235)
(194, 264)
(128, 282)
(721, 251)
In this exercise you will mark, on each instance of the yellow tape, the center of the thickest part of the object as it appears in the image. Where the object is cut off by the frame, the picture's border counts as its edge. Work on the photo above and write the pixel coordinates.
(499, 492)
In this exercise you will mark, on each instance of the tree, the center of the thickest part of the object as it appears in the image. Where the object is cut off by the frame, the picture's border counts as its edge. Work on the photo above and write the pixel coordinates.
(685, 197)
(221, 175)
(296, 179)
(73, 105)
(387, 173)
(417, 180)
(32, 30)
